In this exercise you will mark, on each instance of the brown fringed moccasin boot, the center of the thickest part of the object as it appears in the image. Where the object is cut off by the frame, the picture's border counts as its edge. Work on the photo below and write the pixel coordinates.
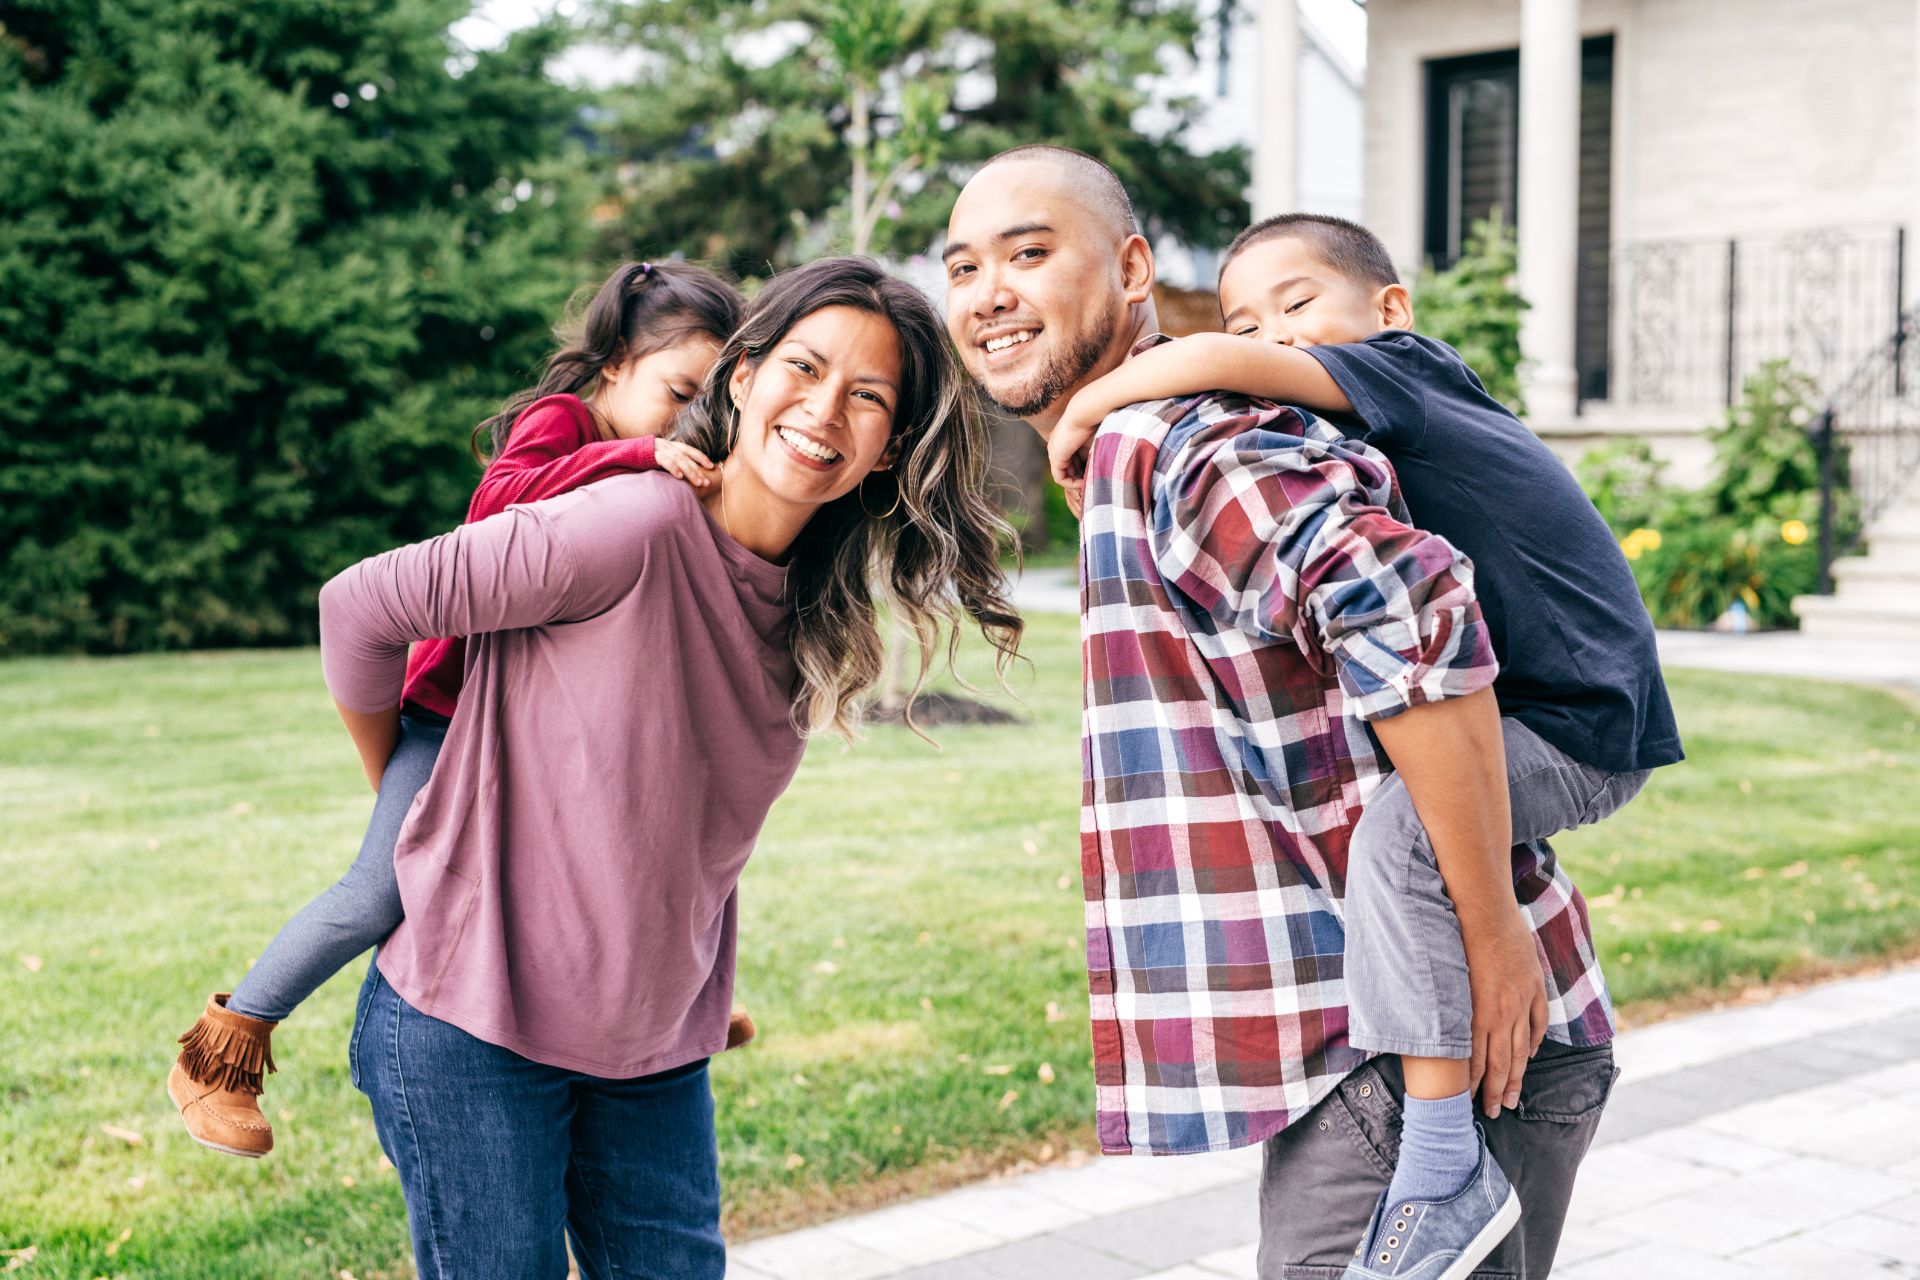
(217, 1080)
(740, 1028)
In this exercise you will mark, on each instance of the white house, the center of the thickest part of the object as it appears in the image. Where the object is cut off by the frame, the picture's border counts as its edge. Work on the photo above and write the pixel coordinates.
(1698, 186)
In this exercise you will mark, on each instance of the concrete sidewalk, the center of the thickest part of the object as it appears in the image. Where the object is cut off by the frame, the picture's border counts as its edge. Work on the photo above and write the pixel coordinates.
(1781, 653)
(1776, 1140)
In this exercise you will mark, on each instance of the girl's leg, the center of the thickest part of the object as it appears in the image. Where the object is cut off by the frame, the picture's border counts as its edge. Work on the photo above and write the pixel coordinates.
(358, 911)
(643, 1184)
(478, 1135)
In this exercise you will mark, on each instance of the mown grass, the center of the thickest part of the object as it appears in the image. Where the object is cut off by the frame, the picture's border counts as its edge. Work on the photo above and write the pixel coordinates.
(910, 941)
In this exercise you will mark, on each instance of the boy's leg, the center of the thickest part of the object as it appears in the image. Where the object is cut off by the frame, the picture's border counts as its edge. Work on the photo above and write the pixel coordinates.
(361, 908)
(1322, 1174)
(1406, 967)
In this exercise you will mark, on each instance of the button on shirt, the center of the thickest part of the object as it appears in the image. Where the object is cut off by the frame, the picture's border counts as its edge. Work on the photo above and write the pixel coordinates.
(1251, 596)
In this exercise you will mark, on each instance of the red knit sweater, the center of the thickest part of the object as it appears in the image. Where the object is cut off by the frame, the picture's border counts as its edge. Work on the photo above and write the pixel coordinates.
(554, 447)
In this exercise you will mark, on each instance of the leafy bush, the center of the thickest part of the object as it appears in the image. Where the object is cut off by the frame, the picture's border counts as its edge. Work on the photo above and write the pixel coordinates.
(262, 266)
(1473, 307)
(1748, 536)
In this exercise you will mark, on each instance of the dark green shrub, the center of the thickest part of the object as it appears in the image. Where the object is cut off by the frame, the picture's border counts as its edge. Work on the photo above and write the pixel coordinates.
(262, 266)
(1473, 307)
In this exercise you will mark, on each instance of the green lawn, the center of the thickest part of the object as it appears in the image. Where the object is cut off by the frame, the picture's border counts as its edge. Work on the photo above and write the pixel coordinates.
(910, 941)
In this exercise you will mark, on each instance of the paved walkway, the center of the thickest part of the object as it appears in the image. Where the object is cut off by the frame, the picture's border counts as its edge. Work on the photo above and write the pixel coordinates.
(1785, 653)
(1777, 1141)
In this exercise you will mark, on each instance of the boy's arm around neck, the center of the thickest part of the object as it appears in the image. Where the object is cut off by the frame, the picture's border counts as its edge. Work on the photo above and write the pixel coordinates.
(1191, 366)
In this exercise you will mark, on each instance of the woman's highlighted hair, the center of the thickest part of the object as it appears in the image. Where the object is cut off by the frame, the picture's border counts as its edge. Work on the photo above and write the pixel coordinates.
(933, 556)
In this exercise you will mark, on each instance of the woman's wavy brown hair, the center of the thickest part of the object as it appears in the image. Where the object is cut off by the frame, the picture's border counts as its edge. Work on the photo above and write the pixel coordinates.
(933, 557)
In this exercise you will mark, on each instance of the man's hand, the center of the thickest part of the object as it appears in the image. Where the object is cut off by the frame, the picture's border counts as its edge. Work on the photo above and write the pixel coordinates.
(1509, 1008)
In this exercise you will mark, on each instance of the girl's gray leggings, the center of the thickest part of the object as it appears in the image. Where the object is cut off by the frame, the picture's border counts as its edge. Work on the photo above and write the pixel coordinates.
(363, 907)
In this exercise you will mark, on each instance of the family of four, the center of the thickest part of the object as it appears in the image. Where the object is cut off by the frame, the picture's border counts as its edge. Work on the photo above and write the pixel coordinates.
(1354, 643)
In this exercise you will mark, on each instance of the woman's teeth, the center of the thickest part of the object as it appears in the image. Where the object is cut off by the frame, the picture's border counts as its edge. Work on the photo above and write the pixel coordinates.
(1011, 339)
(818, 452)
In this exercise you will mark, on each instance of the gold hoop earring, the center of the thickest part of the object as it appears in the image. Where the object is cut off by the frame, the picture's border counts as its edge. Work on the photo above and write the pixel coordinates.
(871, 515)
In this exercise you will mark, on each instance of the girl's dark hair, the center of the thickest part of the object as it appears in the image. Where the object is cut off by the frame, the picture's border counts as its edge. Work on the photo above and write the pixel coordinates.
(933, 555)
(643, 307)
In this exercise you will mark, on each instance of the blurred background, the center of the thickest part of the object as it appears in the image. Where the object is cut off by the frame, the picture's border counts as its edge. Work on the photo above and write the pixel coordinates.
(263, 266)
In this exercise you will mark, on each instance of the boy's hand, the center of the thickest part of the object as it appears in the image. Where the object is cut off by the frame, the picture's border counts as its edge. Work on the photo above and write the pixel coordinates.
(1509, 1010)
(684, 461)
(1067, 444)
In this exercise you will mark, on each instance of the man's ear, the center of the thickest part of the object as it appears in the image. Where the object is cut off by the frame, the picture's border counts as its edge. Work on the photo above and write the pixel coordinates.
(1395, 307)
(1136, 269)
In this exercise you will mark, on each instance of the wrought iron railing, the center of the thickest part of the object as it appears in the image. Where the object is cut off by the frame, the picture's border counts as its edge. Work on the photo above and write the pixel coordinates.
(1689, 320)
(1870, 427)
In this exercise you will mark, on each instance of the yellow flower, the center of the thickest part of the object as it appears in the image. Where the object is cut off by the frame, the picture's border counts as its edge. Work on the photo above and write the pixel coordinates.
(1793, 532)
(1640, 541)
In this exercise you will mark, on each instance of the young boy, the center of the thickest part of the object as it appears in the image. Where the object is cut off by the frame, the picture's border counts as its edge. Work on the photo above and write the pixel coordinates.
(1316, 318)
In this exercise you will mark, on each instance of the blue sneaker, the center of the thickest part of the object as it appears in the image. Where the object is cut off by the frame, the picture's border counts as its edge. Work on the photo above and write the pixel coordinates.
(1439, 1239)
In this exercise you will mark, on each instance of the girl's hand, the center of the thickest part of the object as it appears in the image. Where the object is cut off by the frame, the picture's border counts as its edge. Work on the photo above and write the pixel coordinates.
(684, 461)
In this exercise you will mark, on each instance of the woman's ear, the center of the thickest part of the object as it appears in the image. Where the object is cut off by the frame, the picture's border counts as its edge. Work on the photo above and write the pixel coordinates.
(739, 383)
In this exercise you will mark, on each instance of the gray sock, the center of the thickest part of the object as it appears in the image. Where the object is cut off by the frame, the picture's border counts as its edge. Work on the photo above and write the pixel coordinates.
(1438, 1148)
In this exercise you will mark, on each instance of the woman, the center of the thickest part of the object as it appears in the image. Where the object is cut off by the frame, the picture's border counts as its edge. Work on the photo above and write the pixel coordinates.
(644, 665)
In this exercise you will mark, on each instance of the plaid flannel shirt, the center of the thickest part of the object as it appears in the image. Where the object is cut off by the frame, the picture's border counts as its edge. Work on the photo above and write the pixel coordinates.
(1251, 595)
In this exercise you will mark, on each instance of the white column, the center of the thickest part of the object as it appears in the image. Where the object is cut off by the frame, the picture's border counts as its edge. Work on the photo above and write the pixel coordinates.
(1549, 209)
(1913, 171)
(1276, 140)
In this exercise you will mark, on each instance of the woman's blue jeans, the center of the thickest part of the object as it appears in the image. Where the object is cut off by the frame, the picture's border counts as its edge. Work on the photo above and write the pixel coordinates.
(502, 1159)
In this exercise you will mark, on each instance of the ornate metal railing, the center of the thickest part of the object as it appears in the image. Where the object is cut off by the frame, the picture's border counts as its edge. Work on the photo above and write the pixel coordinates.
(1689, 320)
(1870, 425)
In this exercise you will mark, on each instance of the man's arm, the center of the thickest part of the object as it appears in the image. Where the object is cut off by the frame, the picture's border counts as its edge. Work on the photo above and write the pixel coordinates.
(1203, 362)
(1452, 759)
(1286, 538)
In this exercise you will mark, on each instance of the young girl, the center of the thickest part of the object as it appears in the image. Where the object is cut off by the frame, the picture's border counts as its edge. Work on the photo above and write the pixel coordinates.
(644, 348)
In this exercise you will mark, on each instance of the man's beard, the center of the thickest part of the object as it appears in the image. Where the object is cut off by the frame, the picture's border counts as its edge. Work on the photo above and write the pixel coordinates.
(1064, 370)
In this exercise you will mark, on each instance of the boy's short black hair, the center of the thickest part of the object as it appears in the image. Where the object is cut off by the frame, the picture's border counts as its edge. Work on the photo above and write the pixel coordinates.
(1349, 248)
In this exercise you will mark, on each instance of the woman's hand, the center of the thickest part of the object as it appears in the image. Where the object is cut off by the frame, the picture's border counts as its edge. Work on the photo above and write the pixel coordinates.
(375, 734)
(684, 461)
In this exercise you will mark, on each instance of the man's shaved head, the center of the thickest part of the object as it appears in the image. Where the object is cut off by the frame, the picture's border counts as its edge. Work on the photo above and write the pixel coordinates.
(1048, 283)
(1093, 184)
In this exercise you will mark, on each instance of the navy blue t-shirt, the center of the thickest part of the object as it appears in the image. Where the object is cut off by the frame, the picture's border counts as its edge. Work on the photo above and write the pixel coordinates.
(1577, 659)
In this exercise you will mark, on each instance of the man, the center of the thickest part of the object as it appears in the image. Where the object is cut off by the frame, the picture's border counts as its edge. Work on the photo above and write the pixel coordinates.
(1262, 631)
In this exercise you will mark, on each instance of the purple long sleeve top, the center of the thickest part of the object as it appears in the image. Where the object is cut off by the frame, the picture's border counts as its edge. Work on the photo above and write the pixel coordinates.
(570, 871)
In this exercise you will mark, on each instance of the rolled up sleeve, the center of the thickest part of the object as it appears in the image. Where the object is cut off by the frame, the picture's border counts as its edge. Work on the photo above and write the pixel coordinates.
(1287, 538)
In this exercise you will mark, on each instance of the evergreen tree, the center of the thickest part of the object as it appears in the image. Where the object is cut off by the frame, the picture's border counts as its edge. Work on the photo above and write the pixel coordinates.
(262, 266)
(762, 133)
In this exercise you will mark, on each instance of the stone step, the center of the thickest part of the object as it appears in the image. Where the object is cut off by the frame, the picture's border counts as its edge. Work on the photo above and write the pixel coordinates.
(1887, 544)
(1903, 521)
(1839, 617)
(1878, 572)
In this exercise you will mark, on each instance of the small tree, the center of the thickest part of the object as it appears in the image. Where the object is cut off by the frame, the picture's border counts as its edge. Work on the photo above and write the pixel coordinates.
(1473, 307)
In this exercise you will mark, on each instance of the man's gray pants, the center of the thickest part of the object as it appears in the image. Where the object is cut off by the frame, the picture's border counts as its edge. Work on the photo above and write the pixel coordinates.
(1407, 993)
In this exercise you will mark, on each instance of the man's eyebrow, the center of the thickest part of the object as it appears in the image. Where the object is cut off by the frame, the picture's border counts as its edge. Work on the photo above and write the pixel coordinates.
(823, 362)
(1023, 229)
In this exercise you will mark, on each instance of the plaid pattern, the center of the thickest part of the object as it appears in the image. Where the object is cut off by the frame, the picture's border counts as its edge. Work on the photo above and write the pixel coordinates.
(1251, 595)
